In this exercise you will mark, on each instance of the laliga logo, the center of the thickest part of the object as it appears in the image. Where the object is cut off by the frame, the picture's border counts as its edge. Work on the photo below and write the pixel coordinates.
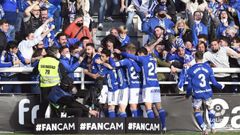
(220, 106)
(23, 109)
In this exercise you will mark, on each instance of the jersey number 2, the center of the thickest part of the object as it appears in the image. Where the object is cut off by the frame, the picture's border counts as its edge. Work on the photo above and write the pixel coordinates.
(151, 69)
(203, 80)
(133, 73)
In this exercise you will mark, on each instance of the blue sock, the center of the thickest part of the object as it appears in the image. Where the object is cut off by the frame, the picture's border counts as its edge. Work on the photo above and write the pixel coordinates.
(122, 115)
(105, 111)
(134, 113)
(199, 119)
(111, 114)
(140, 112)
(150, 113)
(211, 115)
(162, 116)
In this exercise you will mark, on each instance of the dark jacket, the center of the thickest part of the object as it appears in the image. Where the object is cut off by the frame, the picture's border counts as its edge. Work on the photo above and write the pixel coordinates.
(32, 24)
(3, 39)
(187, 36)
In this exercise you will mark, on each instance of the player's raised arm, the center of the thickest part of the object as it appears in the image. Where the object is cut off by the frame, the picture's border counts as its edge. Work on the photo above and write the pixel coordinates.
(94, 76)
(127, 55)
(136, 67)
(131, 56)
(112, 62)
(189, 87)
(214, 81)
(107, 65)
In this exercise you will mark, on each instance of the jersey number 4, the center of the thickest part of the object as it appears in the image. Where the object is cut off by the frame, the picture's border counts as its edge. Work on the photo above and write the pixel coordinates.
(203, 80)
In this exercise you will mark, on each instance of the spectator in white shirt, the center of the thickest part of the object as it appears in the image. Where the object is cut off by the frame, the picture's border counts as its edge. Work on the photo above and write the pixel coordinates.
(219, 57)
(32, 39)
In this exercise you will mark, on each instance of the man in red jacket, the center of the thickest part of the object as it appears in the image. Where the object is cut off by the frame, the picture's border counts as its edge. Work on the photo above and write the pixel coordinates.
(77, 30)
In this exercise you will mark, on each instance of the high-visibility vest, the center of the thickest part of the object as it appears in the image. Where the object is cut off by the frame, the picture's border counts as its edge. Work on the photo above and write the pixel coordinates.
(48, 70)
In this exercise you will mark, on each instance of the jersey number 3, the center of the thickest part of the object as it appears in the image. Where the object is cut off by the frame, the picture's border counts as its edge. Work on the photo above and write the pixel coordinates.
(203, 80)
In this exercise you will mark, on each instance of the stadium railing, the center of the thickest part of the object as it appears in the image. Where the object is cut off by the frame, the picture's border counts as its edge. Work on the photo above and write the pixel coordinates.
(82, 82)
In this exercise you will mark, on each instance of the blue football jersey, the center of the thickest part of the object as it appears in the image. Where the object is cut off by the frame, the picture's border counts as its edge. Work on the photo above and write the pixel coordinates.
(199, 77)
(90, 64)
(110, 77)
(132, 72)
(95, 67)
(121, 77)
(148, 65)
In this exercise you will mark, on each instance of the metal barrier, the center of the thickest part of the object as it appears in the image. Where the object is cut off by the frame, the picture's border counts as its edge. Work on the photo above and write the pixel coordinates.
(82, 82)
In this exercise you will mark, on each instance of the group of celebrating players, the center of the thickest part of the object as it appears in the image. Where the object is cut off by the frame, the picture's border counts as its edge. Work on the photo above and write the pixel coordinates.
(131, 78)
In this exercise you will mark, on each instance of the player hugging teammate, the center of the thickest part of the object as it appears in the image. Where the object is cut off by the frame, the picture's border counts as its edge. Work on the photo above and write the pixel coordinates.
(131, 79)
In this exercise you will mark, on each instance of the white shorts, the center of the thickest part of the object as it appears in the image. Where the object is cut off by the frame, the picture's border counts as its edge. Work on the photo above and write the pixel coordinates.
(103, 95)
(113, 97)
(151, 95)
(197, 103)
(123, 96)
(134, 96)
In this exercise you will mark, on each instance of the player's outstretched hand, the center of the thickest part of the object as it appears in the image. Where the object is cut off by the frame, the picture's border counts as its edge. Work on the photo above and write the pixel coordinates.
(117, 51)
(52, 27)
(85, 71)
(50, 19)
(94, 113)
(98, 61)
(80, 59)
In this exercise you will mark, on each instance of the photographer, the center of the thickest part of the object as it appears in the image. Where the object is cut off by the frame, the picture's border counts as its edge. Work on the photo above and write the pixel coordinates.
(77, 29)
(61, 96)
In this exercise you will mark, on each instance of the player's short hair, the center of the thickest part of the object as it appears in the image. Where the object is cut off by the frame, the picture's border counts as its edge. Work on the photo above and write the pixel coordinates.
(214, 40)
(73, 47)
(237, 39)
(142, 50)
(3, 21)
(131, 47)
(60, 34)
(84, 38)
(11, 45)
(52, 51)
(106, 52)
(198, 11)
(28, 32)
(62, 48)
(201, 43)
(160, 27)
(199, 55)
(224, 38)
(90, 44)
(204, 36)
(43, 8)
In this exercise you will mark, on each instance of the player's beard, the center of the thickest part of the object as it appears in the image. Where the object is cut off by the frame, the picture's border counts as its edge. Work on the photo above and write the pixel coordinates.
(89, 55)
(215, 51)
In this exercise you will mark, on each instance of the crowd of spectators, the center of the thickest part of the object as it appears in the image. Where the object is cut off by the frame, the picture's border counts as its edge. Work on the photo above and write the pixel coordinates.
(175, 29)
